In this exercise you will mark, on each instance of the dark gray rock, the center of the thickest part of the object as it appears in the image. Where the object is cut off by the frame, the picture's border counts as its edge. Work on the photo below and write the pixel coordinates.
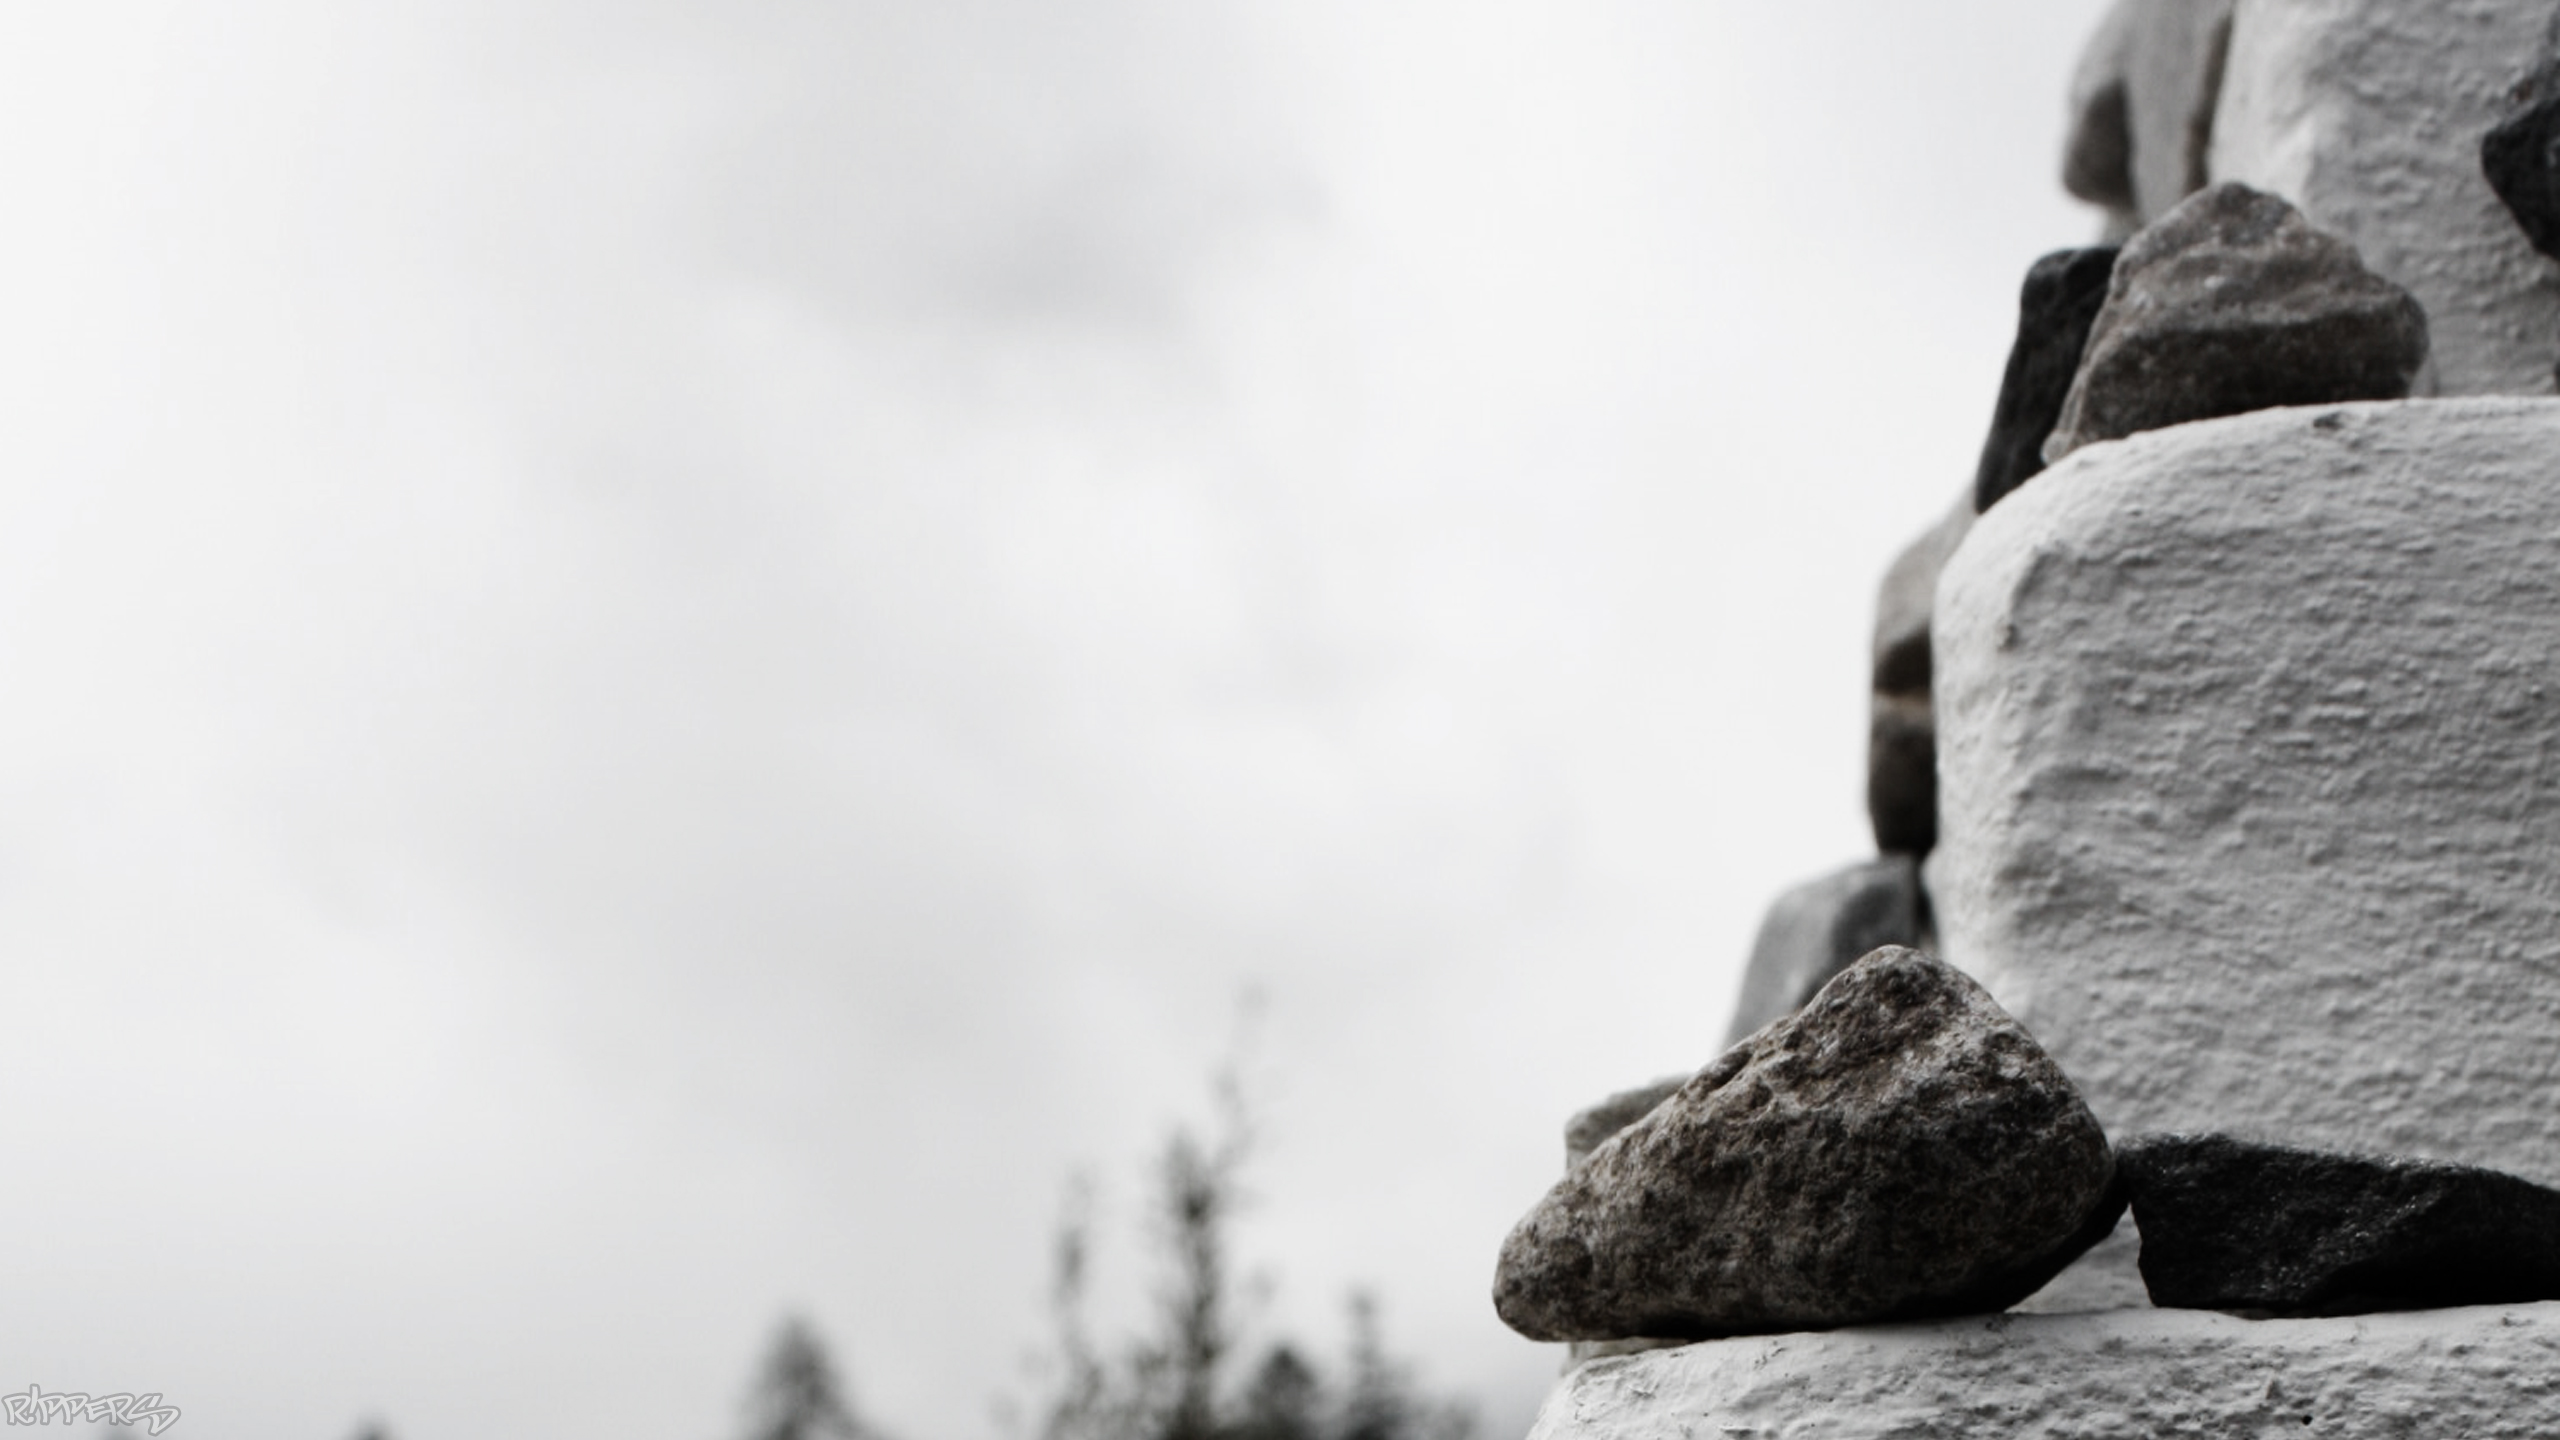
(2056, 306)
(1902, 732)
(2232, 302)
(1584, 1132)
(1900, 649)
(1902, 773)
(2229, 1224)
(1899, 1148)
(1820, 928)
(2521, 154)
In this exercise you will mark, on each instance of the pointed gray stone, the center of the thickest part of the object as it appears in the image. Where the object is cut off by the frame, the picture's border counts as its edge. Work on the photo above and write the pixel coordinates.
(1899, 1148)
(2232, 302)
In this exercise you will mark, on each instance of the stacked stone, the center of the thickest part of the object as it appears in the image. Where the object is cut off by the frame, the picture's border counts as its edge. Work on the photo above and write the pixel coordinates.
(2218, 719)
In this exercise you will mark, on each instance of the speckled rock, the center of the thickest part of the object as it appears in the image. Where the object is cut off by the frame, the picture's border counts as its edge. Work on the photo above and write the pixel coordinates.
(1820, 928)
(2368, 115)
(2228, 1224)
(2230, 303)
(1898, 1148)
(2056, 306)
(2482, 1374)
(2248, 776)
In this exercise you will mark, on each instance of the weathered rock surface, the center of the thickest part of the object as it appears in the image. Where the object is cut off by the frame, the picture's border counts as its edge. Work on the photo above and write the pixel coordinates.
(2520, 156)
(1584, 1132)
(2246, 750)
(2231, 303)
(1898, 1148)
(2228, 1224)
(2143, 105)
(2368, 114)
(1820, 928)
(2056, 306)
(2491, 1373)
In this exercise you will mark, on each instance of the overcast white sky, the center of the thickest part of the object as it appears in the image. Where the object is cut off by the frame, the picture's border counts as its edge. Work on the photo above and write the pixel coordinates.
(661, 658)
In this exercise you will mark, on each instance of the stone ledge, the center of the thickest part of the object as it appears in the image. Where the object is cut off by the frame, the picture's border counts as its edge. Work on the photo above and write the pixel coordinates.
(2484, 1373)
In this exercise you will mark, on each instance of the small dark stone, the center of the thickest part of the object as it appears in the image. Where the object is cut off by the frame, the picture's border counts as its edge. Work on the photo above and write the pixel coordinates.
(2230, 303)
(1820, 928)
(2520, 156)
(2230, 1224)
(1899, 1148)
(1902, 735)
(2056, 306)
(1902, 773)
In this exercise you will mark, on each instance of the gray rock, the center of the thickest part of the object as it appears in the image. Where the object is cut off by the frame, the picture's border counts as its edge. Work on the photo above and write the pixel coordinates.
(2097, 150)
(2142, 106)
(2056, 306)
(2520, 156)
(1817, 930)
(1582, 1135)
(1902, 741)
(2229, 1224)
(1902, 773)
(1584, 1132)
(1899, 1148)
(2230, 303)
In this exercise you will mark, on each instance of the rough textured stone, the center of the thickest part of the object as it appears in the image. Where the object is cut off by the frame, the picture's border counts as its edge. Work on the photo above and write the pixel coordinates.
(1582, 1135)
(2249, 776)
(2368, 114)
(1820, 928)
(2056, 306)
(2490, 1373)
(2232, 1225)
(2143, 105)
(2232, 303)
(2520, 156)
(1897, 1148)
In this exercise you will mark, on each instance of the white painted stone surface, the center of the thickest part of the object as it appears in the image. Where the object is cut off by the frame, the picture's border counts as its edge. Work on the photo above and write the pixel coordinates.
(2483, 1374)
(2250, 769)
(2368, 115)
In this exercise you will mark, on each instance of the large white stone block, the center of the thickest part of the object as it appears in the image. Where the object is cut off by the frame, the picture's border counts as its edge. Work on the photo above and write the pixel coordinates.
(2368, 115)
(2484, 1374)
(2249, 753)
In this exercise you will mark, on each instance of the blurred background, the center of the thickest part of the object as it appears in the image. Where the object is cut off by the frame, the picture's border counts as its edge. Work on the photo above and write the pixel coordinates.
(665, 659)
